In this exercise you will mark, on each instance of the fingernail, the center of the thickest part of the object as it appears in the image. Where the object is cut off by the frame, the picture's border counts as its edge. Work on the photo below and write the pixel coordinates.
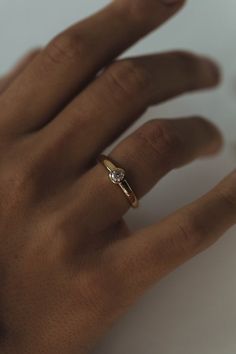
(170, 2)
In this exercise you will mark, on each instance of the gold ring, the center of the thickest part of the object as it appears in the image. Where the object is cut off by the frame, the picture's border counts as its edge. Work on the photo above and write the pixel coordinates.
(117, 176)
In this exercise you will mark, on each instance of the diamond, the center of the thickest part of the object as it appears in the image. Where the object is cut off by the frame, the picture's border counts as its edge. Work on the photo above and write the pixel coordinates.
(117, 176)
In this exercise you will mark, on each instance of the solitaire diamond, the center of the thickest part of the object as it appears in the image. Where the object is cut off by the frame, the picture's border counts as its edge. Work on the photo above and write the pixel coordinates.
(117, 176)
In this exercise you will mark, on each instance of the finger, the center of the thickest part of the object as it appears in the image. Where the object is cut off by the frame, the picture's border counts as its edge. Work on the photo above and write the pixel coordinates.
(118, 97)
(6, 80)
(147, 155)
(152, 253)
(72, 59)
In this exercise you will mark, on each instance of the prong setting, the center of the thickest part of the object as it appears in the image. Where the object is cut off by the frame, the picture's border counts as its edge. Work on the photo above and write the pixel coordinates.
(117, 176)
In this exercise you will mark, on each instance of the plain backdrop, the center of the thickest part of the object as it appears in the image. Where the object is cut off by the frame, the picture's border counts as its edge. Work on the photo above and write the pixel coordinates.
(193, 310)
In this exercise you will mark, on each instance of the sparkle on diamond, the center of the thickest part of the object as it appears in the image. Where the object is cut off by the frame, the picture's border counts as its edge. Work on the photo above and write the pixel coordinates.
(117, 176)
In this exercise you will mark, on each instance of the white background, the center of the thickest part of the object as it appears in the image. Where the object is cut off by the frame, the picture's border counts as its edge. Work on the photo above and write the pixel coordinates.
(193, 310)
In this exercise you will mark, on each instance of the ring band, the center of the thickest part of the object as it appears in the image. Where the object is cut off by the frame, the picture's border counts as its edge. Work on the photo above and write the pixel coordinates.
(117, 176)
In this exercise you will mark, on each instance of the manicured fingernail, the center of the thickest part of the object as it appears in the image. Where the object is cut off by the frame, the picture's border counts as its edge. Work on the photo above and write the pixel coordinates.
(170, 2)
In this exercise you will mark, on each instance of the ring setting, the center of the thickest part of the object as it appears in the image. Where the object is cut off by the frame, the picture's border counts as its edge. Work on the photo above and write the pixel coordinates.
(117, 176)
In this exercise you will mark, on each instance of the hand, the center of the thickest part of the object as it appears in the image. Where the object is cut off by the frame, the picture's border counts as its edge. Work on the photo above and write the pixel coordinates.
(69, 266)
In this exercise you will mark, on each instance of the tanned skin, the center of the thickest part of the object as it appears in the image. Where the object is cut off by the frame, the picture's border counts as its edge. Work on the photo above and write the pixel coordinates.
(69, 265)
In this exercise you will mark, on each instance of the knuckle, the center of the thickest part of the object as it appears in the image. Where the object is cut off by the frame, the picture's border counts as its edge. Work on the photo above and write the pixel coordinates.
(16, 183)
(128, 78)
(52, 224)
(227, 197)
(190, 236)
(58, 222)
(161, 139)
(20, 177)
(98, 289)
(65, 47)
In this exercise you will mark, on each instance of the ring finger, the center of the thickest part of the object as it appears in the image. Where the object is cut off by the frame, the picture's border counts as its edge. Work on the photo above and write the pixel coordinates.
(147, 155)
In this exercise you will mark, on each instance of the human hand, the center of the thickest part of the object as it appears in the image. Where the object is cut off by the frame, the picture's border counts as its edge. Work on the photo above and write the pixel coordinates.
(69, 265)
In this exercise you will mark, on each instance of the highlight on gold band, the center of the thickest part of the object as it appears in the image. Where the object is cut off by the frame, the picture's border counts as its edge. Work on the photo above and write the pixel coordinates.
(117, 176)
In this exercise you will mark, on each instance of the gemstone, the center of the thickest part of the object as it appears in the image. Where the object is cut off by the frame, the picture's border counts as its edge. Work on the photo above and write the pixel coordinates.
(117, 176)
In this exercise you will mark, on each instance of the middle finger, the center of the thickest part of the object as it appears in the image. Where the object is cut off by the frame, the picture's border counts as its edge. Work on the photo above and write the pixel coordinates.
(118, 97)
(147, 155)
(72, 59)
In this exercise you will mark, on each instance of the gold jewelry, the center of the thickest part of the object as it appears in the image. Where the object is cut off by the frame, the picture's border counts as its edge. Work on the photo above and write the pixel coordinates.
(117, 176)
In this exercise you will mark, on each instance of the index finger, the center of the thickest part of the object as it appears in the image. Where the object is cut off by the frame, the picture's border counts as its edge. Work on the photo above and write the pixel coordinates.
(72, 59)
(7, 79)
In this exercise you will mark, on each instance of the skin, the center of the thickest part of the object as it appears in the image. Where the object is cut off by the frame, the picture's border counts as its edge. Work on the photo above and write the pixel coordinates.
(69, 265)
